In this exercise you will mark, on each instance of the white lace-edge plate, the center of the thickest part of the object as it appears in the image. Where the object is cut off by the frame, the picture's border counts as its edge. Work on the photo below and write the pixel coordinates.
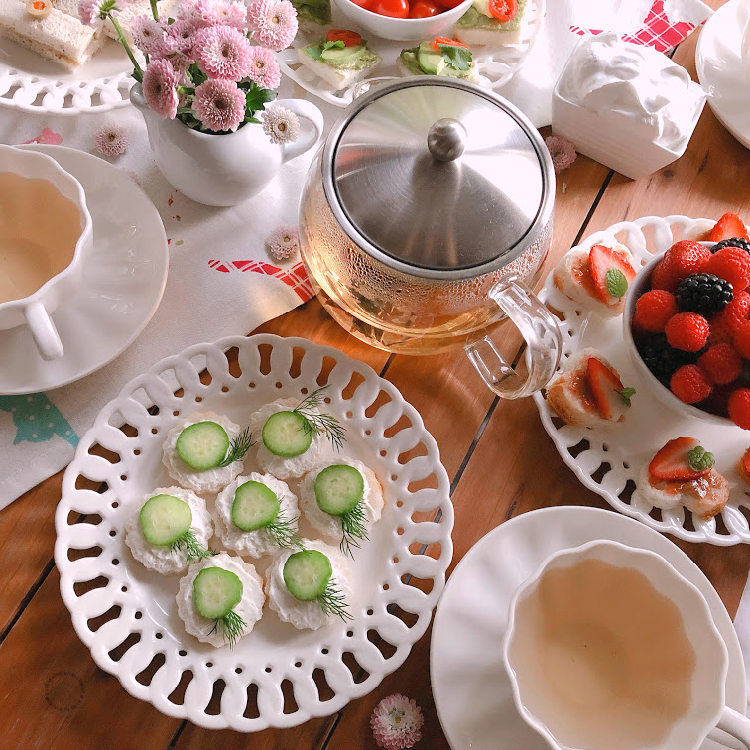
(31, 83)
(608, 461)
(495, 66)
(131, 624)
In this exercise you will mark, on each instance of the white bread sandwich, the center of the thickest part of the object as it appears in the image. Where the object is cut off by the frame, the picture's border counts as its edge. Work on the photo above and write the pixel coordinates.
(682, 473)
(597, 278)
(479, 27)
(339, 63)
(59, 37)
(438, 58)
(588, 392)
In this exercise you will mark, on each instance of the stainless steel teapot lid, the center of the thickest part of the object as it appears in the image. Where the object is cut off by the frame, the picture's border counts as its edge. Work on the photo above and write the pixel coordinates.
(438, 178)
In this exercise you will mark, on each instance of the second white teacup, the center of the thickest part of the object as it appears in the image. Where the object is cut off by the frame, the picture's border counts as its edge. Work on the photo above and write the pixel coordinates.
(45, 231)
(610, 647)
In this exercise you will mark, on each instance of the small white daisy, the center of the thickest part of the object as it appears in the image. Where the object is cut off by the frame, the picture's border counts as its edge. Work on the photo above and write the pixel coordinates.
(111, 139)
(283, 242)
(280, 124)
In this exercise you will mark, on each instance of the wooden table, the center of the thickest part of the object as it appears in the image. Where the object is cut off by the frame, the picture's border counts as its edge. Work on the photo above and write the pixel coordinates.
(500, 461)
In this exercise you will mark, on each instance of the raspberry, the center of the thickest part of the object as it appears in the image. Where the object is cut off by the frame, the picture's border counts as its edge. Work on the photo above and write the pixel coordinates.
(742, 340)
(662, 278)
(653, 310)
(739, 408)
(690, 384)
(685, 258)
(721, 363)
(725, 323)
(732, 264)
(687, 331)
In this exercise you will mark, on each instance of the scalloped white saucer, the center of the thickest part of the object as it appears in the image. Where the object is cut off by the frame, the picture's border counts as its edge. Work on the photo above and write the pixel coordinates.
(123, 282)
(472, 692)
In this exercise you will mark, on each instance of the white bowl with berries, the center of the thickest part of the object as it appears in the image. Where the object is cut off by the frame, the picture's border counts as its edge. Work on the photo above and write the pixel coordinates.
(686, 325)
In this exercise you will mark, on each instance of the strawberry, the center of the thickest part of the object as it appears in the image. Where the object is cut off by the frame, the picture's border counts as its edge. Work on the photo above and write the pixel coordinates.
(611, 398)
(611, 273)
(679, 461)
(728, 226)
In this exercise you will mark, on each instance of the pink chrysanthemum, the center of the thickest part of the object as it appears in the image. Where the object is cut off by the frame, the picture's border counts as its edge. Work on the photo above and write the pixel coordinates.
(273, 23)
(219, 104)
(222, 52)
(111, 139)
(190, 10)
(91, 10)
(562, 151)
(280, 124)
(397, 722)
(160, 88)
(264, 69)
(148, 35)
(283, 243)
(181, 35)
(230, 13)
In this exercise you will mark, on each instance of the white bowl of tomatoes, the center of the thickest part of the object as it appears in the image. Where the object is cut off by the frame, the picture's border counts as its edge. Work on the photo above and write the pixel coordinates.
(404, 20)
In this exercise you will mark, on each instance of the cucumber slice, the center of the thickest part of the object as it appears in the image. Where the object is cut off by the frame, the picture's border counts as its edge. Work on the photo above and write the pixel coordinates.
(216, 592)
(306, 574)
(287, 434)
(254, 507)
(338, 489)
(164, 519)
(203, 445)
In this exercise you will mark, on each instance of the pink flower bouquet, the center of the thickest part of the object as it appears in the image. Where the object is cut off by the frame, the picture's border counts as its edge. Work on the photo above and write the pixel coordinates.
(206, 67)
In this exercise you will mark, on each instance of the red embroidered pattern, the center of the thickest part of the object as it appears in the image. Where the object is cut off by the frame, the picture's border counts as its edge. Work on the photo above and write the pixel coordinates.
(296, 277)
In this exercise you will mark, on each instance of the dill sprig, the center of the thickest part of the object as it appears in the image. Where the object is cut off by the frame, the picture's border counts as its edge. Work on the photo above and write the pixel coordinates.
(283, 533)
(321, 424)
(194, 550)
(238, 448)
(333, 602)
(353, 529)
(230, 628)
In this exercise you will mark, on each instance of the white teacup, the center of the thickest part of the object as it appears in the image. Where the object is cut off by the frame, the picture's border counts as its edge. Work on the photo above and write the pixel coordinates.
(45, 231)
(542, 682)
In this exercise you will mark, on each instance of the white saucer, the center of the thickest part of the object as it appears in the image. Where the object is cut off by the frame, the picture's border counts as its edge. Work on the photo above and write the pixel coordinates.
(472, 692)
(721, 71)
(124, 282)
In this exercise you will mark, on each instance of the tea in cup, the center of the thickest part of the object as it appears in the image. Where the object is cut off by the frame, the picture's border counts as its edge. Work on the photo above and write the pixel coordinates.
(45, 229)
(609, 647)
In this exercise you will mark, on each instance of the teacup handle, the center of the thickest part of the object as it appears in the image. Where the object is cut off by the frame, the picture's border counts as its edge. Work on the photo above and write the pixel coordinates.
(44, 331)
(539, 328)
(734, 723)
(306, 141)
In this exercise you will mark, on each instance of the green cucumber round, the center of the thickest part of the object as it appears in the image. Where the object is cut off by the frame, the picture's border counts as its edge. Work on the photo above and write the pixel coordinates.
(164, 519)
(338, 489)
(287, 434)
(255, 506)
(306, 574)
(203, 445)
(216, 592)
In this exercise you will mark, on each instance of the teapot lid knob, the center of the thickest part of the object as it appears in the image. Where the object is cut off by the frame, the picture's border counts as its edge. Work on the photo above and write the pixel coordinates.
(447, 139)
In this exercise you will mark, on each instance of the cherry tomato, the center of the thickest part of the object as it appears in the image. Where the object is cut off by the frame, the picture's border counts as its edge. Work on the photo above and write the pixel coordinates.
(391, 8)
(349, 38)
(444, 40)
(503, 10)
(424, 9)
(363, 3)
(448, 4)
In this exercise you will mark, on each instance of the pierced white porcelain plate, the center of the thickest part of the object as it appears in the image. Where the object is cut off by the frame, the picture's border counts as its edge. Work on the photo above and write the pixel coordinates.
(608, 461)
(33, 84)
(472, 692)
(495, 66)
(722, 70)
(123, 282)
(131, 624)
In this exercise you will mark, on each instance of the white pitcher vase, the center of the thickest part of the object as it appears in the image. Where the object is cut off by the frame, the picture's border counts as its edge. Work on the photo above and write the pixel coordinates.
(223, 170)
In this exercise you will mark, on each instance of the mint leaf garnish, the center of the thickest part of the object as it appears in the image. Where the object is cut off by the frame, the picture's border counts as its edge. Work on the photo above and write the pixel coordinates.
(315, 52)
(333, 45)
(617, 284)
(627, 394)
(699, 459)
(457, 57)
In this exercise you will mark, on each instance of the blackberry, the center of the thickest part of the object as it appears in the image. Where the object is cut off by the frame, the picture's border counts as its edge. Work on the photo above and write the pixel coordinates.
(703, 293)
(732, 242)
(662, 359)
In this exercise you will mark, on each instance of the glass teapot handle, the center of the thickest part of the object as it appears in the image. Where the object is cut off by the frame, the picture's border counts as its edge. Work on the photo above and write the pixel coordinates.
(539, 328)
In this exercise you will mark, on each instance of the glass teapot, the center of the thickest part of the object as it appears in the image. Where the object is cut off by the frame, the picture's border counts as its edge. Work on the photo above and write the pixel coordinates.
(425, 219)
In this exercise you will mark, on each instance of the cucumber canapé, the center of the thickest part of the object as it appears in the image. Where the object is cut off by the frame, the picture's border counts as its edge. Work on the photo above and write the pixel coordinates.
(203, 445)
(287, 434)
(306, 574)
(339, 489)
(255, 506)
(164, 519)
(216, 592)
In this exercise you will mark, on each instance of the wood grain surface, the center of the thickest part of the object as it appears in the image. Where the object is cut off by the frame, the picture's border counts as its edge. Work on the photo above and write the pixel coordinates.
(500, 461)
